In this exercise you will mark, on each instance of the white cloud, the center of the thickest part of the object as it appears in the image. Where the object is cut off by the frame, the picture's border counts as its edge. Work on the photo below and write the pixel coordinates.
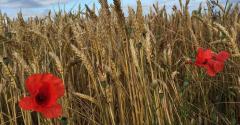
(49, 2)
(29, 3)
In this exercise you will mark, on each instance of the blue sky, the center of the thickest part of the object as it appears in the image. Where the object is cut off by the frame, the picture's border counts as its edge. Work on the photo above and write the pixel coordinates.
(41, 7)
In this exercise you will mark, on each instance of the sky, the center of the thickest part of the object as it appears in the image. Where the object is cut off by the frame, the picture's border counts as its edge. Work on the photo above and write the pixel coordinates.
(41, 7)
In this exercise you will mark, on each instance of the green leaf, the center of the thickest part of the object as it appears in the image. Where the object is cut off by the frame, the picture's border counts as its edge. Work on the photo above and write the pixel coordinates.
(104, 85)
(185, 83)
(64, 121)
(193, 60)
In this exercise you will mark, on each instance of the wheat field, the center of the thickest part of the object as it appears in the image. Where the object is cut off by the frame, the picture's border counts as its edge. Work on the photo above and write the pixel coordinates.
(124, 70)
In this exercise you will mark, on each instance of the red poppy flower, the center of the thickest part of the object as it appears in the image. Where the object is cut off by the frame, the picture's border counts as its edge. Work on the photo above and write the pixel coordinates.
(203, 56)
(222, 56)
(44, 90)
(214, 67)
(212, 62)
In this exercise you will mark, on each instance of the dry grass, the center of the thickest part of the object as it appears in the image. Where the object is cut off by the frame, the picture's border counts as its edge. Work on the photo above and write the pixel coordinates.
(129, 71)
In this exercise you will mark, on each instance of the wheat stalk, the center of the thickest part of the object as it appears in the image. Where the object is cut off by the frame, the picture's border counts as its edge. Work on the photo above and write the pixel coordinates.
(232, 38)
(21, 61)
(58, 63)
(133, 53)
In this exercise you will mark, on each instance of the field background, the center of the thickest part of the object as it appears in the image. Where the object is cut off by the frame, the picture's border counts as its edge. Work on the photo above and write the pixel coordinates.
(124, 70)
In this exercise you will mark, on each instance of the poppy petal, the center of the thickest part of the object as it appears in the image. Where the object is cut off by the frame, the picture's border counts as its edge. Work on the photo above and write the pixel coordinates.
(208, 54)
(47, 77)
(56, 84)
(53, 111)
(59, 87)
(55, 87)
(222, 56)
(211, 72)
(203, 57)
(200, 51)
(33, 83)
(200, 55)
(26, 103)
(210, 69)
(218, 66)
